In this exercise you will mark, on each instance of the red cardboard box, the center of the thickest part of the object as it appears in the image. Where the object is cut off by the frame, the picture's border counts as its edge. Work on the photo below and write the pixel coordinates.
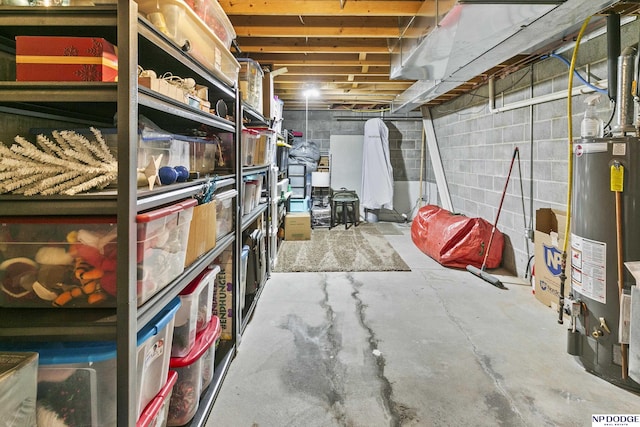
(65, 59)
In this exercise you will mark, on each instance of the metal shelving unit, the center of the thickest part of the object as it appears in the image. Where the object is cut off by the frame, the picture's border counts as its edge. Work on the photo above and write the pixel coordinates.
(139, 43)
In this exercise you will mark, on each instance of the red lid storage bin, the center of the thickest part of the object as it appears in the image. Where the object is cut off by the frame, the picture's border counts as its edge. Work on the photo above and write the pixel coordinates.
(156, 412)
(186, 393)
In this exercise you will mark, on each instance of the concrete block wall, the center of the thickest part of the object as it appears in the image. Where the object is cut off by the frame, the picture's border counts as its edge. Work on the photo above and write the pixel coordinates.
(405, 138)
(477, 145)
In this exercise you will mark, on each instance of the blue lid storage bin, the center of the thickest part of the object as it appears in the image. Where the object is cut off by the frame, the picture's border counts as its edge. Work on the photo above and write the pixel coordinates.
(77, 379)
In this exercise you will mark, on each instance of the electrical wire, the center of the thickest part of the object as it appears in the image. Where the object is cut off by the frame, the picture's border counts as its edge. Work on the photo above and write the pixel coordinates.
(575, 72)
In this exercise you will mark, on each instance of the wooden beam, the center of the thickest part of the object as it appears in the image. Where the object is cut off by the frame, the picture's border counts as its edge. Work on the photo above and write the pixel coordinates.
(323, 7)
(309, 31)
(286, 78)
(337, 70)
(321, 59)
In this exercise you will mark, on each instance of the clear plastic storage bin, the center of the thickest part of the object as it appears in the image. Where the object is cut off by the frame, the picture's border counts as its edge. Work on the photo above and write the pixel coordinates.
(250, 83)
(163, 235)
(181, 24)
(224, 212)
(194, 313)
(214, 16)
(18, 388)
(186, 393)
(157, 411)
(249, 139)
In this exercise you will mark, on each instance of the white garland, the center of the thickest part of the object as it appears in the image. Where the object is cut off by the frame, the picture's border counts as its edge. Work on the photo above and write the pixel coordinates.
(69, 164)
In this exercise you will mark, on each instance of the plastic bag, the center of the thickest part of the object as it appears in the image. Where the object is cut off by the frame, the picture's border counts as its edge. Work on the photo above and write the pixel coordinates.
(305, 153)
(456, 240)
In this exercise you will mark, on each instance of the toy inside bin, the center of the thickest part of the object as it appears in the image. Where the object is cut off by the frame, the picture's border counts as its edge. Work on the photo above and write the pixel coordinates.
(58, 261)
(163, 235)
(186, 393)
(195, 311)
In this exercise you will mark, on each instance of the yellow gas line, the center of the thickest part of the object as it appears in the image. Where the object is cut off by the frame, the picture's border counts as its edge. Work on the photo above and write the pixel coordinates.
(567, 223)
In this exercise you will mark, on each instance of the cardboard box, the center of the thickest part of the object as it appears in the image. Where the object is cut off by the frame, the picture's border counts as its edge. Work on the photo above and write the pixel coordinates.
(223, 294)
(202, 233)
(47, 58)
(297, 226)
(549, 238)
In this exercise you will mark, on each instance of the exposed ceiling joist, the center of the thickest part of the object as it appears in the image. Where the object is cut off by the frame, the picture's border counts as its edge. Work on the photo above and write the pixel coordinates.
(322, 7)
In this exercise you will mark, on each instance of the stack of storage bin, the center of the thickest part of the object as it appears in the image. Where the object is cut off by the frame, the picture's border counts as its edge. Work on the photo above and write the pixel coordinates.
(195, 372)
(76, 379)
(300, 183)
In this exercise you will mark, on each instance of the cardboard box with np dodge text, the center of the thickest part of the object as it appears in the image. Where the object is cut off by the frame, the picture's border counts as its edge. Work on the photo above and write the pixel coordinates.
(549, 238)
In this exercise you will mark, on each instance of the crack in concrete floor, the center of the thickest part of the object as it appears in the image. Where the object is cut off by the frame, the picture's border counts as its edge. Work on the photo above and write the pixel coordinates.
(318, 371)
(398, 413)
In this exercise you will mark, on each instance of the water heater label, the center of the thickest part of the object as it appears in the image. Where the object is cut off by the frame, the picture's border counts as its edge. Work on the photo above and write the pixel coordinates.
(588, 268)
(619, 149)
(593, 147)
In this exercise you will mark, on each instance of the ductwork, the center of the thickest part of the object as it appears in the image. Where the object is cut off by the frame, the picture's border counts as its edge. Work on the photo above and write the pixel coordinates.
(472, 38)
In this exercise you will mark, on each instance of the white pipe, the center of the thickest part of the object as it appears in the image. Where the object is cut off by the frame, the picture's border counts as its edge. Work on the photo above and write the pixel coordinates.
(578, 90)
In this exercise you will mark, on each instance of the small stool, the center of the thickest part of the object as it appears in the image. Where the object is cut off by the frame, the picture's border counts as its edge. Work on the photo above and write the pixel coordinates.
(345, 206)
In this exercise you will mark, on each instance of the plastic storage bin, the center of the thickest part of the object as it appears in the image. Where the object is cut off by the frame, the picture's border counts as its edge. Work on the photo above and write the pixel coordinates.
(214, 16)
(194, 313)
(173, 149)
(224, 212)
(181, 24)
(209, 359)
(154, 350)
(299, 205)
(203, 156)
(18, 388)
(71, 262)
(163, 235)
(186, 393)
(157, 411)
(249, 139)
(57, 261)
(250, 83)
(77, 381)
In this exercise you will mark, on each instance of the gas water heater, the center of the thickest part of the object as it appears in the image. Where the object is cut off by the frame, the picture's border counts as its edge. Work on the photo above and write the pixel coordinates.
(605, 233)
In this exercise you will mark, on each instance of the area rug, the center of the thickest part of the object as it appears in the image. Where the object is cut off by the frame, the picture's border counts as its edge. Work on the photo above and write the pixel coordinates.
(361, 248)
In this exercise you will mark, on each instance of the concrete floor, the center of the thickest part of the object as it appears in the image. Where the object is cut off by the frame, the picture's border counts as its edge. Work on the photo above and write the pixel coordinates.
(430, 347)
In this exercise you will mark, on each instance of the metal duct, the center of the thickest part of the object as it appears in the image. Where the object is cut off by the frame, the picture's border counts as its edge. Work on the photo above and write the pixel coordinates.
(624, 104)
(467, 31)
(473, 38)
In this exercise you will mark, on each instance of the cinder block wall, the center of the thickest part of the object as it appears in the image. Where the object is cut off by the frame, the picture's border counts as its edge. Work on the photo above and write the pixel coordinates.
(476, 144)
(404, 144)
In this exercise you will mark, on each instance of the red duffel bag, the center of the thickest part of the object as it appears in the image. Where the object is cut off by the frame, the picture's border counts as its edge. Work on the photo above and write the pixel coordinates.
(455, 240)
